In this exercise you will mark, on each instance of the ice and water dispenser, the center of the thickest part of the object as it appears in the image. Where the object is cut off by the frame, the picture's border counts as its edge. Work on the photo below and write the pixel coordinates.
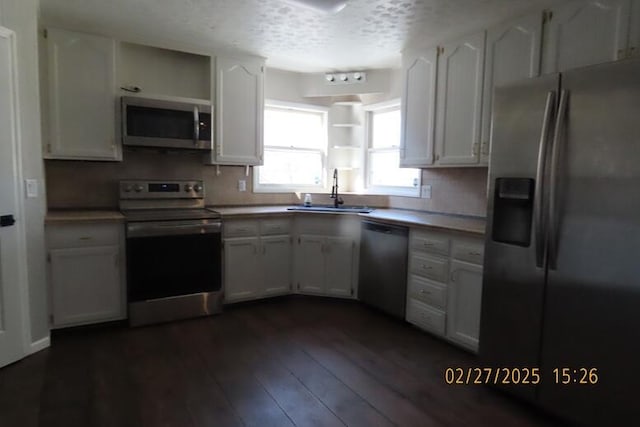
(513, 211)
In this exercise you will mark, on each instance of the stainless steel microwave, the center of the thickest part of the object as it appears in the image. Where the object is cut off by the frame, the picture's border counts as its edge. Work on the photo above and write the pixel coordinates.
(159, 123)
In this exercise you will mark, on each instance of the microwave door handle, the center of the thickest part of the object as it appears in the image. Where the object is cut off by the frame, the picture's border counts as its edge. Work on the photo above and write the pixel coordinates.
(196, 125)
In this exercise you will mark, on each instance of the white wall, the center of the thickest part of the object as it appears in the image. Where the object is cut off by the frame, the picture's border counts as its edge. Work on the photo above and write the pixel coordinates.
(289, 86)
(21, 16)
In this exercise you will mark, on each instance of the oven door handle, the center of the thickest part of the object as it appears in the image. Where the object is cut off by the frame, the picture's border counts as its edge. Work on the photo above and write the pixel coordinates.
(160, 229)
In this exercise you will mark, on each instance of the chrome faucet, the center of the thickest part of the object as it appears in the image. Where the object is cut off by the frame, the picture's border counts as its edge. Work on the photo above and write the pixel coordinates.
(337, 200)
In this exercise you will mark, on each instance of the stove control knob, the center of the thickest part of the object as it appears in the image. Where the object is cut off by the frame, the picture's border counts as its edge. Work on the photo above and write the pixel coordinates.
(188, 188)
(197, 188)
(127, 188)
(138, 188)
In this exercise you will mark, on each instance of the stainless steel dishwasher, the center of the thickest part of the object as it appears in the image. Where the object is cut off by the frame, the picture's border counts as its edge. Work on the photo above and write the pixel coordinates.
(383, 267)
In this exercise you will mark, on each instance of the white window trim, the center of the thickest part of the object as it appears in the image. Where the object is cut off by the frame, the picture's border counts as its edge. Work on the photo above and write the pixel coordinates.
(384, 190)
(285, 188)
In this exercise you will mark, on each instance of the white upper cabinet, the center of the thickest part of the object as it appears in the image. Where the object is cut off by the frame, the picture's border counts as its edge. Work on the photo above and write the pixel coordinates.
(513, 53)
(239, 95)
(584, 33)
(81, 91)
(418, 108)
(460, 81)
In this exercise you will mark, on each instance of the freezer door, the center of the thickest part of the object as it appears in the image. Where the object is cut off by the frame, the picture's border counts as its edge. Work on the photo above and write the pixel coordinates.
(592, 307)
(513, 285)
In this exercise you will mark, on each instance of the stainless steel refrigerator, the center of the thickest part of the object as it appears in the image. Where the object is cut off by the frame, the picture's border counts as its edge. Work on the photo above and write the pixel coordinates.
(561, 286)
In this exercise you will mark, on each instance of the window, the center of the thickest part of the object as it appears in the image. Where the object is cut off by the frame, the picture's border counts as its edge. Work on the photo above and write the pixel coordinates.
(295, 145)
(384, 175)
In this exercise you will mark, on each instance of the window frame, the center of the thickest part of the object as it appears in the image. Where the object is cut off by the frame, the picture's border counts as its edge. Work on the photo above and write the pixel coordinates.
(299, 188)
(386, 190)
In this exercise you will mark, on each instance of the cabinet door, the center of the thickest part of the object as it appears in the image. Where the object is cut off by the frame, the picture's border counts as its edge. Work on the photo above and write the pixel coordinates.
(418, 108)
(241, 269)
(463, 304)
(86, 285)
(339, 266)
(584, 33)
(239, 111)
(513, 53)
(310, 262)
(276, 265)
(81, 80)
(460, 80)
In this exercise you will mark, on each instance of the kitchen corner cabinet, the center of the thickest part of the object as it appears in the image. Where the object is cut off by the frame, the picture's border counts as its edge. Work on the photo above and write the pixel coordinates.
(81, 114)
(444, 287)
(418, 108)
(257, 258)
(326, 256)
(86, 273)
(512, 54)
(459, 105)
(239, 98)
(583, 33)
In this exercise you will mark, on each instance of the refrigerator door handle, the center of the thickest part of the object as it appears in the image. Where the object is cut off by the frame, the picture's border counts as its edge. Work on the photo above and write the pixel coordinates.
(539, 186)
(555, 154)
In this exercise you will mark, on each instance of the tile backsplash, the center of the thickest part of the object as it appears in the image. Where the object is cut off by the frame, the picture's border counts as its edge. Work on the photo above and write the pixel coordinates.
(90, 185)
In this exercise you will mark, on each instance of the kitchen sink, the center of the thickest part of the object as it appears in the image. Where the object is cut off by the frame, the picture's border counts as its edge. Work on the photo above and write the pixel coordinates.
(331, 208)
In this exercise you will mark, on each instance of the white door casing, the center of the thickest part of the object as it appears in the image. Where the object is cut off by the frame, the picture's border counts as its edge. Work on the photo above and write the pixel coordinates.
(14, 320)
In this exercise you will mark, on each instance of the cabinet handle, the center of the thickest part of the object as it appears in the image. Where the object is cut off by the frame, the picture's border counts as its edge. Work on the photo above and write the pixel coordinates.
(422, 291)
(475, 253)
(474, 148)
(453, 275)
(85, 238)
(485, 148)
(427, 267)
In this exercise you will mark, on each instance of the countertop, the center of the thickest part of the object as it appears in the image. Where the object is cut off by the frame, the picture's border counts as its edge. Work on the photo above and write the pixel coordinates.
(396, 216)
(63, 216)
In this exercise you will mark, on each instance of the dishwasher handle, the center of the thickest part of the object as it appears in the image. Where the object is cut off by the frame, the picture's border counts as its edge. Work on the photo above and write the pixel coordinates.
(377, 227)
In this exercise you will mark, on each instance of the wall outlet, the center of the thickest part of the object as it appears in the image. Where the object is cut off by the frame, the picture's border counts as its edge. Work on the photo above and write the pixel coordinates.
(242, 185)
(31, 188)
(425, 191)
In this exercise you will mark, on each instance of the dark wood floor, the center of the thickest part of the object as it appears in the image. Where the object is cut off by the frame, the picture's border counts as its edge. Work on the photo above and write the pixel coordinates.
(291, 361)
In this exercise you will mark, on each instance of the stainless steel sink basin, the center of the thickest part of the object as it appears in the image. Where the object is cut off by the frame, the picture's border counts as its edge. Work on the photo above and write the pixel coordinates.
(331, 208)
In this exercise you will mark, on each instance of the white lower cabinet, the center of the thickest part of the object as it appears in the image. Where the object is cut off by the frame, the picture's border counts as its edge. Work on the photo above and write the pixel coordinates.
(326, 255)
(444, 289)
(463, 305)
(86, 273)
(257, 262)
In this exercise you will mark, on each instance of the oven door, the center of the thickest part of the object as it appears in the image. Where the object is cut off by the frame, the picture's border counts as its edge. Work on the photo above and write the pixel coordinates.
(173, 258)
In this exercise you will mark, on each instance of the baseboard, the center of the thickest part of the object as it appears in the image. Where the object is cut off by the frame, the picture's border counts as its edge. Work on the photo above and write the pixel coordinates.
(41, 344)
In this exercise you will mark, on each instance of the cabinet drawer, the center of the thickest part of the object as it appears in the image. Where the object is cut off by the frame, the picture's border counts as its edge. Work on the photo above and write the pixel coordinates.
(428, 292)
(468, 251)
(432, 268)
(432, 243)
(83, 235)
(425, 317)
(275, 226)
(240, 228)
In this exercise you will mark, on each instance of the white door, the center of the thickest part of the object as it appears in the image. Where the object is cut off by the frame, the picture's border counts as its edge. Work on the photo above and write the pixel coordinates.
(463, 304)
(339, 266)
(241, 268)
(418, 108)
(276, 265)
(310, 264)
(12, 251)
(86, 285)
(460, 80)
(81, 97)
(513, 53)
(584, 33)
(239, 111)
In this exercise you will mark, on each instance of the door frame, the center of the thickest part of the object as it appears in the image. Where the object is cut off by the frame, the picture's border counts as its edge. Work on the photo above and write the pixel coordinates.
(23, 289)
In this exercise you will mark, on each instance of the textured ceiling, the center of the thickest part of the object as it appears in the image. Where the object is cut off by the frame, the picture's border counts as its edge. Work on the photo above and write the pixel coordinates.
(365, 34)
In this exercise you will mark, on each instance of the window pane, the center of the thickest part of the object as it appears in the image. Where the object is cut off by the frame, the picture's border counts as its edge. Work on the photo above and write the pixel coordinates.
(291, 167)
(384, 170)
(294, 128)
(385, 129)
